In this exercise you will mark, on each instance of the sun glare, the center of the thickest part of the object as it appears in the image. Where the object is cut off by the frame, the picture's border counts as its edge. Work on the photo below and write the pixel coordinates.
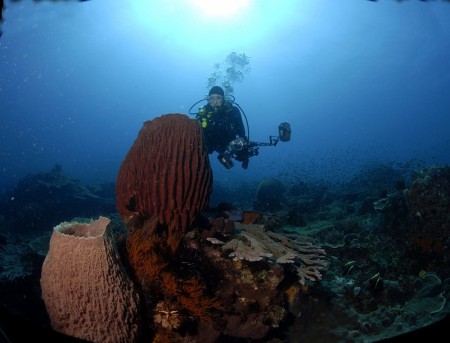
(206, 25)
(220, 8)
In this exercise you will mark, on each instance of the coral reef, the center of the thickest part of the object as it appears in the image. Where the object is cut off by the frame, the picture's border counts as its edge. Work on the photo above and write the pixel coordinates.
(170, 271)
(86, 291)
(166, 174)
(261, 275)
(240, 275)
(196, 291)
(428, 202)
(13, 258)
(418, 218)
(45, 199)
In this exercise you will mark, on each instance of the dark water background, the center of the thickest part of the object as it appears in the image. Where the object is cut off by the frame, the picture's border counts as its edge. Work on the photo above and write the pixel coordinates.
(359, 82)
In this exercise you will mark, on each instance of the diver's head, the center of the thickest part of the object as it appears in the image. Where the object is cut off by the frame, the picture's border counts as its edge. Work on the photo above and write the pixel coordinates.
(216, 96)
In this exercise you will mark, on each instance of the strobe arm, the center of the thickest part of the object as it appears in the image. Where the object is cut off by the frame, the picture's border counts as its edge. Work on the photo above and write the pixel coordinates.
(273, 141)
(284, 135)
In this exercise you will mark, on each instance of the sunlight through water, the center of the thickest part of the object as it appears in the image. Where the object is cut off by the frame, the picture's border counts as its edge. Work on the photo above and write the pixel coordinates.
(219, 8)
(202, 25)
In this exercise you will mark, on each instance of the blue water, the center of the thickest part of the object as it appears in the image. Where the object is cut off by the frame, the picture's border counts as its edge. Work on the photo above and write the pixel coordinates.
(359, 82)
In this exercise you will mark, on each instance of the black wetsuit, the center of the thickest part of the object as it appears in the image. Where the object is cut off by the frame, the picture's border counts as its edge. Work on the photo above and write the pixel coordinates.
(220, 126)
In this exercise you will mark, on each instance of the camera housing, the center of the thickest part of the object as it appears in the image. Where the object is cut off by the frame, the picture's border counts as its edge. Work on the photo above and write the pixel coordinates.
(241, 149)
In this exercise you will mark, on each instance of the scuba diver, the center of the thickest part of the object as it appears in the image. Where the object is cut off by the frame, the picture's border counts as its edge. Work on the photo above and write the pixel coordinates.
(224, 131)
(222, 124)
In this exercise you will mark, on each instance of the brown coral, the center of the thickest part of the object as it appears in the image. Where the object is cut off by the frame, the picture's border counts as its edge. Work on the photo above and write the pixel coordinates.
(169, 268)
(143, 246)
(166, 173)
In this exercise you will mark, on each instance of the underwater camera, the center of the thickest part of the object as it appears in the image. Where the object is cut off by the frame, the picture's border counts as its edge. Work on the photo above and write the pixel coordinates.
(241, 149)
